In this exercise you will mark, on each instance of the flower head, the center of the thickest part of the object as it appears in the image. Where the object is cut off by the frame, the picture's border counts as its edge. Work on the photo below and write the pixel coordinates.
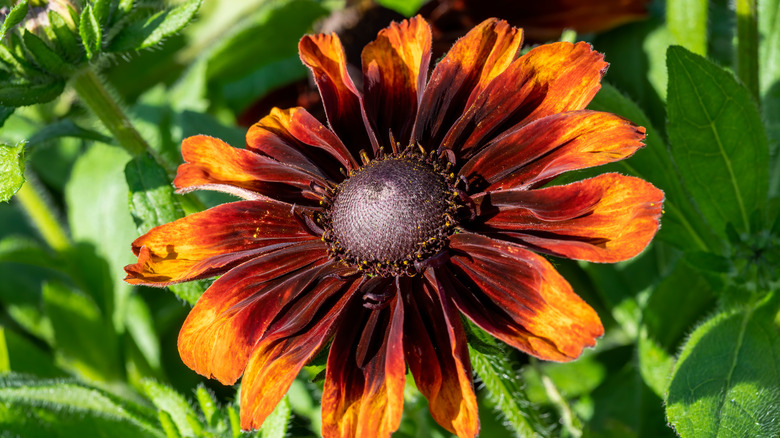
(422, 198)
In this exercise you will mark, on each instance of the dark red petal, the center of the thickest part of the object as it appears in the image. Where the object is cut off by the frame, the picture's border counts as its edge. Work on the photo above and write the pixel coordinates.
(465, 71)
(438, 356)
(395, 68)
(324, 55)
(223, 327)
(518, 297)
(605, 219)
(295, 136)
(550, 79)
(209, 243)
(547, 147)
(364, 382)
(212, 164)
(288, 344)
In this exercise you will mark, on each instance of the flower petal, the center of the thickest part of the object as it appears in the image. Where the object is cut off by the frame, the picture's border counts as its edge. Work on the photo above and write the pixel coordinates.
(465, 71)
(210, 242)
(518, 297)
(212, 164)
(221, 330)
(545, 148)
(364, 381)
(289, 343)
(324, 55)
(549, 79)
(395, 68)
(605, 219)
(437, 353)
(295, 136)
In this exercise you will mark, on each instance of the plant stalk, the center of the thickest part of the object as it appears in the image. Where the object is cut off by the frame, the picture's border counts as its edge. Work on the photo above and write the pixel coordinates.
(747, 45)
(40, 212)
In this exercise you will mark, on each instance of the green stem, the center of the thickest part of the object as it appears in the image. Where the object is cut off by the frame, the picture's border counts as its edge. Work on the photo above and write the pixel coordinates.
(40, 213)
(569, 419)
(747, 45)
(95, 95)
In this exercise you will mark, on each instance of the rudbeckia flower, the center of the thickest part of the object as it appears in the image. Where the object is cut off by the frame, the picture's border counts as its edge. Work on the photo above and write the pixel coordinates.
(423, 198)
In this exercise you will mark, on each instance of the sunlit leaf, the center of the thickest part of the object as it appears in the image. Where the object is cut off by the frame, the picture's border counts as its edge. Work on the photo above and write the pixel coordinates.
(147, 31)
(11, 170)
(687, 21)
(89, 30)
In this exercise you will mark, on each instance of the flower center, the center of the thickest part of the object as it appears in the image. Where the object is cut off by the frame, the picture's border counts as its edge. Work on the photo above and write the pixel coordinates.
(392, 214)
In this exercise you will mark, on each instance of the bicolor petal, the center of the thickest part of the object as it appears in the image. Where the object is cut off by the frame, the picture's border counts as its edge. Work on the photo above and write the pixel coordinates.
(518, 297)
(607, 219)
(364, 381)
(438, 356)
(472, 63)
(395, 67)
(220, 332)
(324, 55)
(538, 152)
(209, 243)
(212, 164)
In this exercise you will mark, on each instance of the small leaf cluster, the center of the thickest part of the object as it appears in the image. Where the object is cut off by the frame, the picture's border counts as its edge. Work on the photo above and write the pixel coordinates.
(42, 44)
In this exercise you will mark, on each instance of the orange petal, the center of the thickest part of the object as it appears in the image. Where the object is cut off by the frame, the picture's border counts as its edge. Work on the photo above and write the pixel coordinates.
(545, 148)
(213, 164)
(549, 79)
(395, 68)
(223, 327)
(295, 136)
(211, 242)
(605, 219)
(364, 382)
(288, 344)
(324, 55)
(471, 64)
(438, 357)
(518, 297)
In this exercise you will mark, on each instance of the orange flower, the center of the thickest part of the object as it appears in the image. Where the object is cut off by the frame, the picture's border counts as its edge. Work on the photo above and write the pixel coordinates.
(420, 199)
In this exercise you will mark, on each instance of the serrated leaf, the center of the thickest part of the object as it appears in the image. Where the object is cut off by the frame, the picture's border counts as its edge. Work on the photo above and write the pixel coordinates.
(101, 9)
(683, 226)
(29, 93)
(14, 17)
(146, 32)
(501, 379)
(727, 379)
(85, 341)
(275, 426)
(168, 425)
(170, 401)
(207, 403)
(89, 31)
(717, 140)
(687, 21)
(47, 58)
(35, 408)
(11, 170)
(65, 37)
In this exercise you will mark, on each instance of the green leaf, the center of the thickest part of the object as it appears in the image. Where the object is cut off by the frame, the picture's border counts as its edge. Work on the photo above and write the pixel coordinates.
(65, 37)
(90, 33)
(47, 58)
(675, 306)
(97, 196)
(501, 379)
(140, 325)
(207, 403)
(683, 226)
(152, 203)
(406, 8)
(727, 379)
(275, 426)
(85, 341)
(23, 93)
(11, 170)
(66, 128)
(19, 355)
(5, 113)
(35, 408)
(14, 17)
(101, 9)
(148, 31)
(717, 140)
(687, 21)
(168, 425)
(173, 403)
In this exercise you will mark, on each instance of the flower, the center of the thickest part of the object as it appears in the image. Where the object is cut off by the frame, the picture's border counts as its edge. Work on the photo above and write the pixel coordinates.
(421, 199)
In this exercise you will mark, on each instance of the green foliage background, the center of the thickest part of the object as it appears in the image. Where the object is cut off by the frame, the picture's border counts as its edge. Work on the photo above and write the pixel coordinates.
(692, 344)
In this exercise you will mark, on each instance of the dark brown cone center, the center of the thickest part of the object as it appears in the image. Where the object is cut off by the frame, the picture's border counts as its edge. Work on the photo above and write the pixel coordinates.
(389, 209)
